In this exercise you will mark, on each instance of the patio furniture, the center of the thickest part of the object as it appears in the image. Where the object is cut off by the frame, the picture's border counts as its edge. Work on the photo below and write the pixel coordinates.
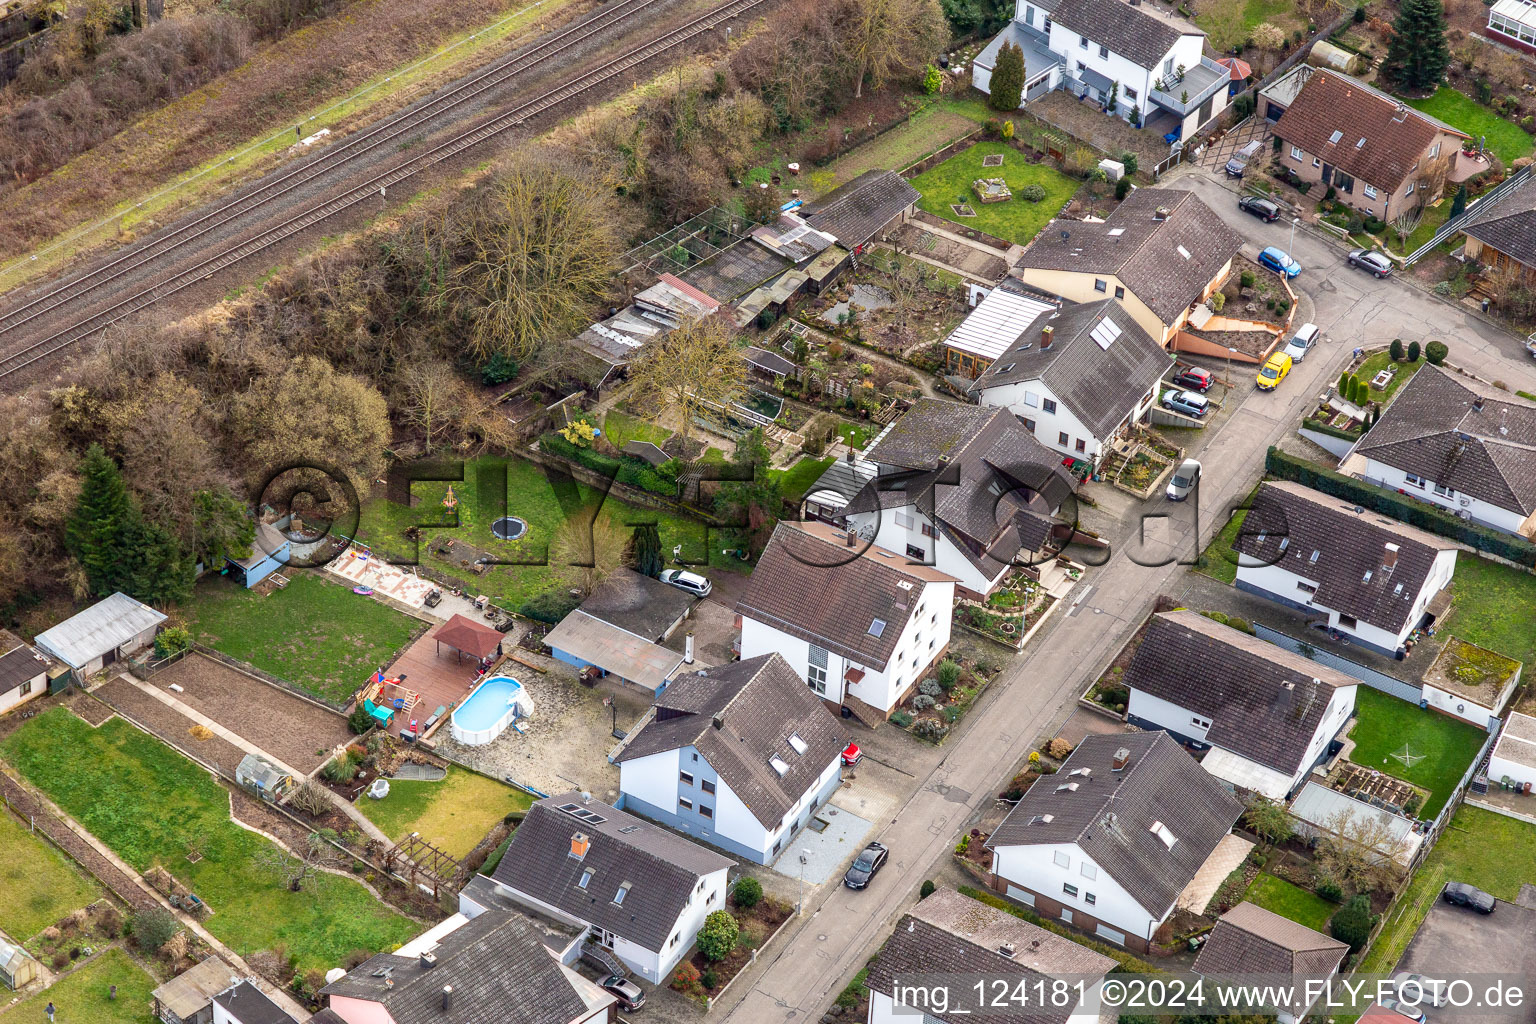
(434, 716)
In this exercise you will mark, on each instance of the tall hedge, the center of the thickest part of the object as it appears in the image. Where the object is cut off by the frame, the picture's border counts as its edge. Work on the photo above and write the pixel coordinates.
(624, 468)
(1286, 466)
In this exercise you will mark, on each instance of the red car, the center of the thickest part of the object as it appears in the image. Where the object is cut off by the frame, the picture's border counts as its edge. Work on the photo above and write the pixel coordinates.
(1195, 379)
(853, 755)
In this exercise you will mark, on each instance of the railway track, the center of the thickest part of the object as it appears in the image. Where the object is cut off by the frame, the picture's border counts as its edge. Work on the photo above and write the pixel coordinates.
(374, 184)
(324, 162)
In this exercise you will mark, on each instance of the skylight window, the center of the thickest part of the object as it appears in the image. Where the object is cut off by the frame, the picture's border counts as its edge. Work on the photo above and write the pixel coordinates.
(1080, 772)
(1361, 143)
(1285, 542)
(586, 876)
(1105, 332)
(618, 897)
(1367, 577)
(877, 627)
(798, 743)
(1335, 137)
(1183, 252)
(1313, 559)
(1116, 232)
(1161, 831)
(778, 764)
(1067, 787)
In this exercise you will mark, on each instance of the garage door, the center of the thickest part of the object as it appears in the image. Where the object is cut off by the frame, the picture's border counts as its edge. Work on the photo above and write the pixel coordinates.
(1026, 898)
(1105, 932)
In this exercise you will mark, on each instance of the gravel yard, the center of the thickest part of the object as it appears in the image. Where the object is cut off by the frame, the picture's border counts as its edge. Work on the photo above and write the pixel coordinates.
(301, 734)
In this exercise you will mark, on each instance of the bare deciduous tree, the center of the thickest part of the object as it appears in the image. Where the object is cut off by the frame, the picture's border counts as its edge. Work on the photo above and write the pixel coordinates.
(294, 869)
(1360, 850)
(1406, 223)
(694, 364)
(588, 548)
(883, 39)
(433, 395)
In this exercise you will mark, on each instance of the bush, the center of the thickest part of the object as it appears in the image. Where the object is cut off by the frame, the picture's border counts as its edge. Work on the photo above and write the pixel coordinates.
(109, 921)
(153, 928)
(718, 936)
(927, 889)
(1245, 279)
(1007, 131)
(686, 978)
(932, 79)
(172, 640)
(1330, 890)
(1395, 350)
(922, 702)
(930, 729)
(931, 687)
(963, 845)
(709, 979)
(339, 769)
(1122, 188)
(549, 606)
(1128, 160)
(1256, 858)
(1436, 352)
(948, 674)
(359, 721)
(748, 892)
(1378, 499)
(1352, 922)
(900, 719)
(1033, 193)
(766, 319)
(499, 369)
(1413, 351)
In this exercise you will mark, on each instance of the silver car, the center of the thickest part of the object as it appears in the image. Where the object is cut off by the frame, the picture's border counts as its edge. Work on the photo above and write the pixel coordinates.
(1302, 341)
(1416, 988)
(689, 581)
(1184, 480)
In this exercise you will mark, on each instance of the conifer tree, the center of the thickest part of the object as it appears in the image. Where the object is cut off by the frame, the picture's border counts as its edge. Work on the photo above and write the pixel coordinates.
(1008, 78)
(1419, 54)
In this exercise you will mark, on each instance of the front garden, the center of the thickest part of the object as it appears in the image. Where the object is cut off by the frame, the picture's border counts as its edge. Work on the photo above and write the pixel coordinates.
(1009, 614)
(943, 698)
(1039, 191)
(727, 942)
(316, 634)
(1440, 747)
(454, 814)
(155, 808)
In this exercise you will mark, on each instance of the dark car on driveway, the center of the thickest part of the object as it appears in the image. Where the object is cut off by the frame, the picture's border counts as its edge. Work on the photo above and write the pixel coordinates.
(866, 865)
(1371, 261)
(1464, 895)
(1195, 379)
(1263, 209)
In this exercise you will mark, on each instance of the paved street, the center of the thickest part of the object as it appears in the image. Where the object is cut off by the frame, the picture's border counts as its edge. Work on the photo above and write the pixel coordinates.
(805, 969)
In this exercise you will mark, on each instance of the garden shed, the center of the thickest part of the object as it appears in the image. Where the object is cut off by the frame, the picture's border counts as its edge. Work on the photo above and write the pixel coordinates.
(111, 629)
(262, 777)
(16, 967)
(269, 553)
(188, 997)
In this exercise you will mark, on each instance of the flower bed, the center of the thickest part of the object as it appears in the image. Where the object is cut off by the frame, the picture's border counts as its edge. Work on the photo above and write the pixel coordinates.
(1008, 625)
(943, 698)
(703, 979)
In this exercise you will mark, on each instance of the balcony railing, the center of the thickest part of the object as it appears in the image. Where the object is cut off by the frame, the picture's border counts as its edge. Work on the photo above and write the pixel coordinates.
(1171, 96)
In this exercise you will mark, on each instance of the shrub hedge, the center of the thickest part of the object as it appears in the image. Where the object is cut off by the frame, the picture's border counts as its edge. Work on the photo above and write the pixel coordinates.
(623, 468)
(1331, 430)
(1378, 499)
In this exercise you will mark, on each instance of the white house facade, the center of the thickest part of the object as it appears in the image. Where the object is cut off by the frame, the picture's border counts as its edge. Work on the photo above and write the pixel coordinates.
(909, 531)
(1424, 487)
(1514, 756)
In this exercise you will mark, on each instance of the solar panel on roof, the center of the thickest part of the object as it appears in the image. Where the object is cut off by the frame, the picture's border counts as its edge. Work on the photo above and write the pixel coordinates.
(1105, 332)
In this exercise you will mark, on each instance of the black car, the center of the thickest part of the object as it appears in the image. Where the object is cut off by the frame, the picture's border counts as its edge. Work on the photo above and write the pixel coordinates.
(1263, 209)
(1464, 895)
(628, 994)
(869, 861)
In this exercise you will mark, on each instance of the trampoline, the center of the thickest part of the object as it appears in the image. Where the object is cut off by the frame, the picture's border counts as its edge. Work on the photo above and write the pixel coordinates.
(509, 528)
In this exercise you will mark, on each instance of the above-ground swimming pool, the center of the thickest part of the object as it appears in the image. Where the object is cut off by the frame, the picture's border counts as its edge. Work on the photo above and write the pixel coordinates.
(509, 528)
(487, 712)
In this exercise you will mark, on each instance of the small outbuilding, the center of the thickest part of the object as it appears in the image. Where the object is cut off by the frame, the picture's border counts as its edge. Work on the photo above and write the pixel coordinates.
(1514, 756)
(24, 672)
(269, 552)
(17, 968)
(108, 631)
(262, 777)
(188, 997)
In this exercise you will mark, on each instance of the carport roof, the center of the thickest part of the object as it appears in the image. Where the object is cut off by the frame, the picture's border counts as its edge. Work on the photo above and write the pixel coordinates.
(613, 649)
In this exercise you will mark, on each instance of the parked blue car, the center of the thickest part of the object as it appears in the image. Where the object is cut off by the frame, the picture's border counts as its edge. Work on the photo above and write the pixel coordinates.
(1276, 260)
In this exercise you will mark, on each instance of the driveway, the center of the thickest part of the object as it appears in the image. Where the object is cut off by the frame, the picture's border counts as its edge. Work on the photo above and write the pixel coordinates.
(1255, 129)
(1455, 942)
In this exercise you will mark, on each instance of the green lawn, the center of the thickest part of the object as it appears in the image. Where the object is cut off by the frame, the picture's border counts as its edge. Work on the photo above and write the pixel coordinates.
(1433, 218)
(1229, 22)
(1505, 138)
(1219, 561)
(1378, 362)
(1387, 725)
(856, 435)
(621, 428)
(797, 479)
(543, 500)
(1491, 851)
(314, 633)
(931, 127)
(148, 803)
(44, 884)
(83, 996)
(455, 814)
(1017, 220)
(1290, 901)
(1491, 606)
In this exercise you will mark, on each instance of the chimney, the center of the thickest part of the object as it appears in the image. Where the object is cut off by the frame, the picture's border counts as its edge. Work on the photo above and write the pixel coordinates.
(1389, 557)
(850, 456)
(1121, 759)
(1161, 213)
(389, 982)
(1477, 404)
(1047, 335)
(851, 538)
(447, 998)
(717, 722)
(580, 844)
(428, 960)
(688, 648)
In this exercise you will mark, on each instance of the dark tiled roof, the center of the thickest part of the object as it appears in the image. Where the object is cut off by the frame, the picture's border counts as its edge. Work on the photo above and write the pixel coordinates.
(737, 717)
(929, 434)
(950, 933)
(1263, 702)
(1111, 814)
(1251, 940)
(1128, 31)
(1099, 385)
(638, 604)
(1349, 548)
(1435, 429)
(1396, 136)
(810, 584)
(326, 1016)
(1145, 254)
(19, 664)
(853, 212)
(250, 1005)
(1509, 223)
(770, 361)
(500, 971)
(661, 868)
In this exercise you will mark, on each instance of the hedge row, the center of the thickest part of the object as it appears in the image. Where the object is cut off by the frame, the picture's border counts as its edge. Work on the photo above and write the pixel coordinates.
(1400, 507)
(1331, 430)
(623, 468)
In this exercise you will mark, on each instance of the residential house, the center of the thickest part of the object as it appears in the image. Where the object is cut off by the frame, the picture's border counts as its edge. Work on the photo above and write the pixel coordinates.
(1148, 66)
(964, 489)
(24, 672)
(858, 623)
(1162, 252)
(1502, 233)
(270, 552)
(740, 756)
(106, 632)
(1249, 940)
(1267, 715)
(949, 934)
(640, 892)
(247, 1004)
(1004, 315)
(1458, 443)
(1109, 842)
(619, 630)
(1378, 155)
(1078, 378)
(1368, 575)
(492, 966)
(1514, 755)
(1513, 23)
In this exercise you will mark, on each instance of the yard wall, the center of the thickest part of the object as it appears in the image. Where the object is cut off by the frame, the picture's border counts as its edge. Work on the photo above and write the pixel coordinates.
(1336, 446)
(1411, 692)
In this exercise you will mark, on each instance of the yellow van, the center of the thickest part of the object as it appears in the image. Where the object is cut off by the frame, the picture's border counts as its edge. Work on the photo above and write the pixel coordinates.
(1274, 371)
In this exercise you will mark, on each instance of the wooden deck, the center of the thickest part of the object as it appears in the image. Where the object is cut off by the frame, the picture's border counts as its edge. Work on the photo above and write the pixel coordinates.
(441, 678)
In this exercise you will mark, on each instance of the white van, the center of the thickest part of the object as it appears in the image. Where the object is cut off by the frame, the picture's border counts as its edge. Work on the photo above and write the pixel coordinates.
(1305, 337)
